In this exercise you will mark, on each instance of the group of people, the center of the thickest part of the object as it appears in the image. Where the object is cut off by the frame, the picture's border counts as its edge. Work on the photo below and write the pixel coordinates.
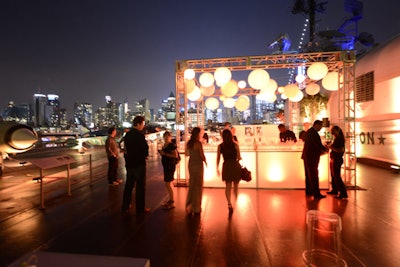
(229, 150)
(312, 151)
(136, 151)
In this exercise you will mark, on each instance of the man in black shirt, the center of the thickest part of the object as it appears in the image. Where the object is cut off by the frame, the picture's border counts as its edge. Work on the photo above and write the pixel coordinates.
(285, 134)
(137, 151)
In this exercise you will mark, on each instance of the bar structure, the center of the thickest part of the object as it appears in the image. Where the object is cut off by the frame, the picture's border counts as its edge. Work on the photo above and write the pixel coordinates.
(342, 62)
(272, 164)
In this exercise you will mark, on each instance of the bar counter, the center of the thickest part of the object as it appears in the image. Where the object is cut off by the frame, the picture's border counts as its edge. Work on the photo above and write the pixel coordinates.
(272, 167)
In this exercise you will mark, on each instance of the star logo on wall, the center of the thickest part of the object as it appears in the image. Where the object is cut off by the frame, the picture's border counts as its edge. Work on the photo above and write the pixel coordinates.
(381, 140)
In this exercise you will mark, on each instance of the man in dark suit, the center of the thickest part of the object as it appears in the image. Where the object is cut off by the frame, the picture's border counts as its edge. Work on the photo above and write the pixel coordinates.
(312, 151)
(137, 151)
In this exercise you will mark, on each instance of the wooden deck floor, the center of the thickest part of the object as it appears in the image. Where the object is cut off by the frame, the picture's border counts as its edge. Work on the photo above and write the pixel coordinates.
(267, 227)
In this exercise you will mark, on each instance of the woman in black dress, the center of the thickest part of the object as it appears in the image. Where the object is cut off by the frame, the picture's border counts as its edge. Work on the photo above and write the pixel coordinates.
(336, 161)
(169, 158)
(231, 167)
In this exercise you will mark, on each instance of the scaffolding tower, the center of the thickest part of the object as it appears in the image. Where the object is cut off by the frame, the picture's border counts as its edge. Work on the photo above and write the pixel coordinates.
(342, 62)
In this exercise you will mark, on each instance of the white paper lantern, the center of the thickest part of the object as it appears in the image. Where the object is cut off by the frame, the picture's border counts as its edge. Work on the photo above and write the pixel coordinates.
(230, 88)
(272, 85)
(258, 78)
(208, 91)
(312, 89)
(206, 79)
(331, 81)
(242, 103)
(242, 84)
(299, 96)
(222, 98)
(189, 74)
(267, 96)
(317, 71)
(261, 96)
(300, 78)
(222, 75)
(291, 90)
(195, 94)
(283, 96)
(281, 89)
(229, 102)
(271, 97)
(190, 84)
(212, 103)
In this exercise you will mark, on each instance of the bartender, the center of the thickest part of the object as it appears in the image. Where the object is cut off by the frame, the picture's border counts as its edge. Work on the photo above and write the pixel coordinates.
(286, 134)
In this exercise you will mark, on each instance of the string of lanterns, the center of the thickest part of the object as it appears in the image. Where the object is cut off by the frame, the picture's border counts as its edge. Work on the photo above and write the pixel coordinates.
(258, 79)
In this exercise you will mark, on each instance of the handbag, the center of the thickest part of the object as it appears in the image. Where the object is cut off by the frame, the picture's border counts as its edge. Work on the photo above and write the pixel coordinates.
(245, 174)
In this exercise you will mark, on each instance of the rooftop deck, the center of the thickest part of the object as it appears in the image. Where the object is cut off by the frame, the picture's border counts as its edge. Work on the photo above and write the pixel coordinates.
(267, 227)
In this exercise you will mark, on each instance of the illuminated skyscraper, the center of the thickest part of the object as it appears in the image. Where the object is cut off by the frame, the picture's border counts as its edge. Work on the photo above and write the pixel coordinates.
(83, 112)
(40, 110)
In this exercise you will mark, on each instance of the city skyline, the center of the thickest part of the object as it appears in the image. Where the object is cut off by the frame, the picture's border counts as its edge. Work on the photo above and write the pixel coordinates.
(85, 50)
(70, 115)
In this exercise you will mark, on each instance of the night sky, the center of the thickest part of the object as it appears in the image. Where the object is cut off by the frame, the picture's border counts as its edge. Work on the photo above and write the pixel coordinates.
(83, 50)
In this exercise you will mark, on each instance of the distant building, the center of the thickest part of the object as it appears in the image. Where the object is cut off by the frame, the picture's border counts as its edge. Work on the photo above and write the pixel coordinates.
(168, 108)
(83, 113)
(195, 116)
(21, 113)
(58, 115)
(40, 110)
(110, 115)
(145, 109)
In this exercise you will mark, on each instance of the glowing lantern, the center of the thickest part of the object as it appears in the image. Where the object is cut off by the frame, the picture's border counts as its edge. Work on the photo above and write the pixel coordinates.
(229, 102)
(230, 88)
(208, 91)
(283, 96)
(189, 74)
(281, 89)
(317, 71)
(242, 103)
(206, 79)
(261, 96)
(291, 90)
(212, 103)
(242, 84)
(300, 78)
(331, 81)
(271, 97)
(222, 75)
(312, 89)
(258, 78)
(190, 84)
(272, 85)
(267, 96)
(299, 96)
(195, 94)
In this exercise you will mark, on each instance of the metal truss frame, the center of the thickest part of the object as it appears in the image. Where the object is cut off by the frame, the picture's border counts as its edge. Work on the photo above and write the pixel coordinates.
(341, 61)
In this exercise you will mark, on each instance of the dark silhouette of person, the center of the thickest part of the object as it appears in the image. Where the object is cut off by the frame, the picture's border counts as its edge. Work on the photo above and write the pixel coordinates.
(137, 151)
(336, 161)
(112, 151)
(286, 134)
(312, 151)
(230, 151)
